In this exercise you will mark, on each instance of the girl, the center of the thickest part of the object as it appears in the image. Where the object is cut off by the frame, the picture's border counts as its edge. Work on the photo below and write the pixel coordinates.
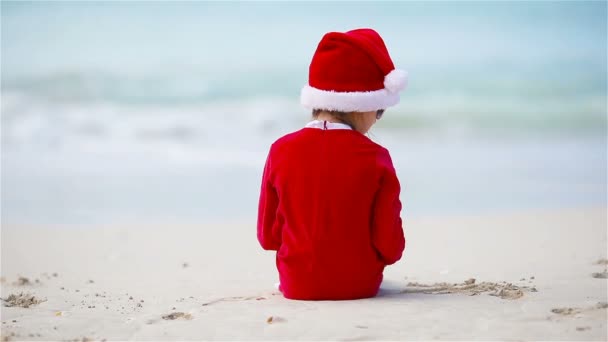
(329, 202)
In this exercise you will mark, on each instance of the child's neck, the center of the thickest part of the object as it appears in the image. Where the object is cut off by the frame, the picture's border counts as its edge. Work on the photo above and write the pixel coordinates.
(325, 116)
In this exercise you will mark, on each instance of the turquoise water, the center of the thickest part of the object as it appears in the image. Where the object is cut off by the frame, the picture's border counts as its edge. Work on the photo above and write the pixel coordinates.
(96, 94)
(509, 65)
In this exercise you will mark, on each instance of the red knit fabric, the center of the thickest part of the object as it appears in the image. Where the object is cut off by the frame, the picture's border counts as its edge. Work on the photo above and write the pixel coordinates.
(329, 205)
(353, 61)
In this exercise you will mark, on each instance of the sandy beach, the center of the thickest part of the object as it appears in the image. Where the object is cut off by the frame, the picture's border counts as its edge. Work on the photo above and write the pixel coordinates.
(134, 136)
(536, 275)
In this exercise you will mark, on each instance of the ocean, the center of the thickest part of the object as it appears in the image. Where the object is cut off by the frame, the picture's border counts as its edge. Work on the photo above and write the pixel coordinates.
(164, 112)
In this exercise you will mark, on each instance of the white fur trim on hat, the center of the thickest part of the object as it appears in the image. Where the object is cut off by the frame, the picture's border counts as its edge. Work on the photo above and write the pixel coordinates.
(396, 80)
(364, 101)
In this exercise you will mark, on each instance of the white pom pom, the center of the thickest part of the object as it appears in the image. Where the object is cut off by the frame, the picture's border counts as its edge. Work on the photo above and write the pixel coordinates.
(395, 81)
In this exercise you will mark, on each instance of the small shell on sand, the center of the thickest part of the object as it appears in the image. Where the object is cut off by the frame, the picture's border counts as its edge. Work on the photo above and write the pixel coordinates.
(274, 319)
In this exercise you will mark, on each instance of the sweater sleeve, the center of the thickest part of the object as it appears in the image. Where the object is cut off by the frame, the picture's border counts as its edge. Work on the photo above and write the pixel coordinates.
(387, 232)
(267, 211)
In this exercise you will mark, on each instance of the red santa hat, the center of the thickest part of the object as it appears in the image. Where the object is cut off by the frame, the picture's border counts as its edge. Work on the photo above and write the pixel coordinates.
(352, 72)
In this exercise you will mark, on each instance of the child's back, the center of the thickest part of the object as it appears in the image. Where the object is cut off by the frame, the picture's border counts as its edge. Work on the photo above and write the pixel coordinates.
(329, 202)
(330, 244)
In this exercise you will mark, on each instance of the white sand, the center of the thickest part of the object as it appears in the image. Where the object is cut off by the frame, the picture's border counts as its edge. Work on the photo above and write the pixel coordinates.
(146, 263)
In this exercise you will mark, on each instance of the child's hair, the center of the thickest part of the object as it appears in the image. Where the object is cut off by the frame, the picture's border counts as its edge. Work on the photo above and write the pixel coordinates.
(347, 118)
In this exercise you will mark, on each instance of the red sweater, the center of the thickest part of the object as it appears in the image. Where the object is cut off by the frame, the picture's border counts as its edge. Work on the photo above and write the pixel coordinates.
(329, 205)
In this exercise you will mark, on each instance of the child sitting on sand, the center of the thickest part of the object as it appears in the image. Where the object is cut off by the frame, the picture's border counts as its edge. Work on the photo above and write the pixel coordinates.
(329, 202)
